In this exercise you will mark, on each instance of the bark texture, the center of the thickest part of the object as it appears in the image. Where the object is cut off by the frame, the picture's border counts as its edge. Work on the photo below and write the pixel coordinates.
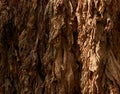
(99, 43)
(59, 47)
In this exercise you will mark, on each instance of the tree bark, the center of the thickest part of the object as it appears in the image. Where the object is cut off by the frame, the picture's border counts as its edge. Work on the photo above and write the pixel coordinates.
(59, 47)
(99, 45)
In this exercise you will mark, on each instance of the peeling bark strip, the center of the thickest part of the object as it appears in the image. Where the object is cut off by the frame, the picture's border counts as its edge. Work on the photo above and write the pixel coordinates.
(59, 47)
(61, 64)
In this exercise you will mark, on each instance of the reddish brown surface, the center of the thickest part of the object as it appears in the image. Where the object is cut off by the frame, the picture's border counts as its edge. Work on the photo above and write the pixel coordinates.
(59, 46)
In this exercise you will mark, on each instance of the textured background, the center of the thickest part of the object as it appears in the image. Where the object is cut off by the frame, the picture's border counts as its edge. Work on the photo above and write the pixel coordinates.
(59, 46)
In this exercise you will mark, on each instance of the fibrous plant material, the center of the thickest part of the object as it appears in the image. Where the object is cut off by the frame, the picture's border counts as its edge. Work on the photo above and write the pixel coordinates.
(97, 40)
(59, 46)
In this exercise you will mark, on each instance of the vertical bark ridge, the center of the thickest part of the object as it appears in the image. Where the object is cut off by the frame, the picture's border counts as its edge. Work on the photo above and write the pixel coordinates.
(96, 24)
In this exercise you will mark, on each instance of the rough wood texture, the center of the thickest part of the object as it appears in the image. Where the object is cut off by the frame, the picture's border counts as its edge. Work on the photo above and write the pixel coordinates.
(59, 47)
(99, 43)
